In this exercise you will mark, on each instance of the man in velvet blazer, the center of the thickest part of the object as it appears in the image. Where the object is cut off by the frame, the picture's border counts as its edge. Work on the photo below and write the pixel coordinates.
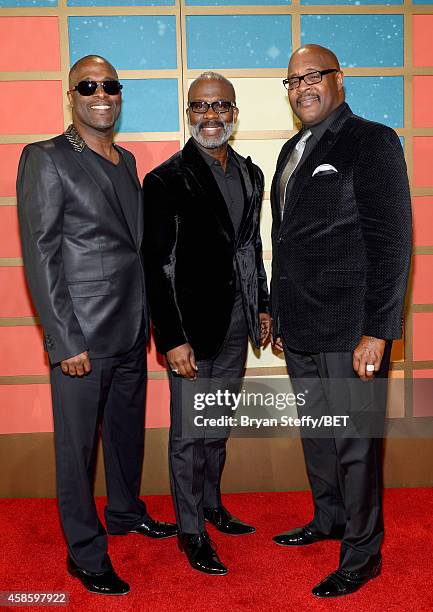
(81, 222)
(341, 253)
(207, 292)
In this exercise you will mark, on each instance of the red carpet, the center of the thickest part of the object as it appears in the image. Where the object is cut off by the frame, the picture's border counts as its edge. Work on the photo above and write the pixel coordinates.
(262, 577)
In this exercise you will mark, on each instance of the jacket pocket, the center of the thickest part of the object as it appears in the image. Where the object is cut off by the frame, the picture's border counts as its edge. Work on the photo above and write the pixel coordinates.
(342, 278)
(90, 288)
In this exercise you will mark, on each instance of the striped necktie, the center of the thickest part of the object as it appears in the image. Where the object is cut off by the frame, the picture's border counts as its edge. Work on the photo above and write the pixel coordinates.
(291, 166)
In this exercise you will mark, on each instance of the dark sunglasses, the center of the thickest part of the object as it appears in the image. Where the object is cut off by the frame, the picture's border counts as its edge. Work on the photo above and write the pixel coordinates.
(88, 88)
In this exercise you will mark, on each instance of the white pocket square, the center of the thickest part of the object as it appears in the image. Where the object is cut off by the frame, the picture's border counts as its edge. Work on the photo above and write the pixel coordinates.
(325, 168)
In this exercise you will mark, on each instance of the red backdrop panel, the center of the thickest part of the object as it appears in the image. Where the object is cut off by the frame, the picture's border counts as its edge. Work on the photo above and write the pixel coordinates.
(158, 404)
(155, 361)
(422, 97)
(44, 115)
(10, 245)
(21, 351)
(150, 154)
(25, 409)
(423, 220)
(422, 393)
(422, 161)
(422, 40)
(422, 336)
(15, 299)
(9, 158)
(41, 50)
(422, 279)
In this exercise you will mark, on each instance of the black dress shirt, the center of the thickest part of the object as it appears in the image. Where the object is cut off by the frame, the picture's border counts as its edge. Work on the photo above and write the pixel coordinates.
(230, 185)
(124, 186)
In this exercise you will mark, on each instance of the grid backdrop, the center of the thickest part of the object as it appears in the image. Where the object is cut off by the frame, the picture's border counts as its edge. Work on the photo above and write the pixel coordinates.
(158, 47)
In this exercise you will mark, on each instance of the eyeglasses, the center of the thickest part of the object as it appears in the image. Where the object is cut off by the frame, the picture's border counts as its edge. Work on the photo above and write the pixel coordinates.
(87, 88)
(219, 106)
(311, 78)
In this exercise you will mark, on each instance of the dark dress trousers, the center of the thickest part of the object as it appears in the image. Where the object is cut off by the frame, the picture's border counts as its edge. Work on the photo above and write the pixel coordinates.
(341, 259)
(81, 248)
(206, 285)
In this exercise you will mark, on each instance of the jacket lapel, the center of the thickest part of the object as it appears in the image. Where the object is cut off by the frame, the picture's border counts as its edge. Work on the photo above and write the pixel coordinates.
(135, 221)
(246, 169)
(203, 176)
(306, 170)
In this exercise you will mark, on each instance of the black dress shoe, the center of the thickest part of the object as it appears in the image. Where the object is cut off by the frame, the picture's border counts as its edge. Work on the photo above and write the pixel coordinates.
(152, 529)
(104, 583)
(225, 522)
(303, 536)
(156, 529)
(342, 582)
(201, 554)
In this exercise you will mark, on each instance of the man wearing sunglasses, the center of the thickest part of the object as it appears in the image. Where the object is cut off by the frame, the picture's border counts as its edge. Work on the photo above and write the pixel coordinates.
(341, 252)
(81, 222)
(208, 293)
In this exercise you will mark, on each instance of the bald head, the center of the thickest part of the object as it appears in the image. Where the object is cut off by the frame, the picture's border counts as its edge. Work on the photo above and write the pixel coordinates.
(317, 52)
(207, 78)
(88, 61)
(315, 100)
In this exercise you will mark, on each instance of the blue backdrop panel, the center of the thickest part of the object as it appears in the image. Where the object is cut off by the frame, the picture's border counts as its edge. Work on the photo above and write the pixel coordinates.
(149, 105)
(357, 40)
(377, 98)
(30, 3)
(129, 43)
(238, 2)
(121, 2)
(349, 2)
(238, 41)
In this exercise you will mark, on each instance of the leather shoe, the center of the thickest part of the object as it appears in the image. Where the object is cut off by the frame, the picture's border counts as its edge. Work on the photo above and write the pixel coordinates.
(342, 582)
(104, 583)
(303, 536)
(156, 529)
(225, 522)
(152, 529)
(201, 554)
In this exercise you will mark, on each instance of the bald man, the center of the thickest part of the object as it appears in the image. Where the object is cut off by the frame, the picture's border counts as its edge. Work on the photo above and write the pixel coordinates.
(341, 252)
(81, 222)
(208, 295)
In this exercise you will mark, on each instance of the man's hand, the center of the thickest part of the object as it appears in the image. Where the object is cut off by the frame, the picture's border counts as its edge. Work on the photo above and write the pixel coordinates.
(77, 365)
(182, 361)
(368, 352)
(278, 344)
(265, 328)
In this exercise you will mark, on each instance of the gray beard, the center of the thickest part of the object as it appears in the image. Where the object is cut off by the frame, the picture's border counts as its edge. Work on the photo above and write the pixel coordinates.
(213, 142)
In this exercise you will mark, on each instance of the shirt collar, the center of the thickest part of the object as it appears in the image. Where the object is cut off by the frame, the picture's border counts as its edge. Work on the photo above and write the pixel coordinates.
(320, 128)
(211, 161)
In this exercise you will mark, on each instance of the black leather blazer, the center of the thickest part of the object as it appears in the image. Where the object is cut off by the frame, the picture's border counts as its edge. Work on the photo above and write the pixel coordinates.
(82, 256)
(341, 254)
(190, 253)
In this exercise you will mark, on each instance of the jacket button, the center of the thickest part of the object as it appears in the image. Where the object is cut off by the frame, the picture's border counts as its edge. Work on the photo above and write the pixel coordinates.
(280, 240)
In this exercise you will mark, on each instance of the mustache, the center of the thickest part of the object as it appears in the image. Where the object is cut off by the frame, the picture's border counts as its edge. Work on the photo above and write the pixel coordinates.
(309, 95)
(205, 124)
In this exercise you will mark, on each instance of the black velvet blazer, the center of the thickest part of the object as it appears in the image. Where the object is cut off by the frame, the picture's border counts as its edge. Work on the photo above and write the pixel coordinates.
(341, 254)
(190, 253)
